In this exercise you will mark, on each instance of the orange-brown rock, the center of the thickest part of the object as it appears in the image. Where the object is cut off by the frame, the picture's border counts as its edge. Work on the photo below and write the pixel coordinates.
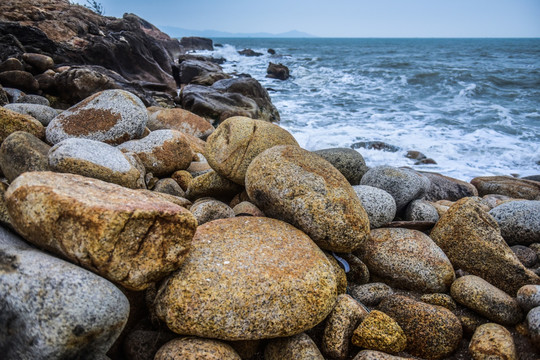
(379, 331)
(507, 185)
(492, 341)
(248, 278)
(238, 140)
(298, 186)
(192, 348)
(211, 184)
(21, 152)
(298, 347)
(180, 120)
(11, 121)
(129, 237)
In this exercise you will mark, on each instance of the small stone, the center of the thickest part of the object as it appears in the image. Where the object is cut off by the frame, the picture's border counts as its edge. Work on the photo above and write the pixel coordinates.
(484, 298)
(519, 221)
(169, 186)
(507, 185)
(358, 273)
(470, 320)
(340, 326)
(443, 300)
(4, 215)
(298, 347)
(349, 162)
(180, 120)
(205, 211)
(494, 200)
(34, 100)
(528, 297)
(380, 206)
(22, 152)
(43, 114)
(533, 325)
(211, 184)
(247, 349)
(13, 94)
(421, 210)
(245, 208)
(379, 331)
(11, 121)
(370, 294)
(192, 348)
(492, 341)
(526, 255)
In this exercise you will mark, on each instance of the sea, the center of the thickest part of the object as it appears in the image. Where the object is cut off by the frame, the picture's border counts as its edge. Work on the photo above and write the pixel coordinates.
(471, 105)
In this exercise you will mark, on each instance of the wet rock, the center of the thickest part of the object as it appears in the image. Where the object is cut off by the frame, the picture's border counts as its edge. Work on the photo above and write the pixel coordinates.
(129, 237)
(375, 145)
(249, 53)
(527, 256)
(519, 221)
(421, 210)
(379, 331)
(43, 114)
(403, 184)
(81, 312)
(192, 348)
(277, 71)
(443, 300)
(492, 341)
(21, 152)
(34, 99)
(19, 79)
(528, 297)
(11, 121)
(250, 255)
(377, 355)
(96, 160)
(298, 347)
(487, 300)
(210, 210)
(370, 294)
(507, 185)
(211, 184)
(349, 162)
(340, 326)
(245, 208)
(162, 152)
(297, 186)
(533, 324)
(110, 116)
(169, 186)
(380, 206)
(432, 332)
(39, 62)
(238, 140)
(407, 259)
(196, 43)
(180, 120)
(471, 239)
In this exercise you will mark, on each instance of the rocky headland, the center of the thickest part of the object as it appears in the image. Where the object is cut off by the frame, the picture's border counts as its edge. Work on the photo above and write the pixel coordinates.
(152, 208)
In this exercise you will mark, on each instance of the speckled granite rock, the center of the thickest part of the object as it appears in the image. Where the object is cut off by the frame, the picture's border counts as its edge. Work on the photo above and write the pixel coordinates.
(211, 184)
(192, 348)
(238, 140)
(110, 116)
(487, 300)
(180, 120)
(519, 221)
(432, 332)
(533, 324)
(528, 297)
(298, 347)
(526, 255)
(183, 178)
(404, 185)
(205, 211)
(21, 152)
(127, 236)
(52, 309)
(245, 208)
(421, 210)
(33, 99)
(283, 284)
(443, 300)
(297, 186)
(162, 152)
(507, 185)
(447, 188)
(358, 272)
(380, 206)
(340, 325)
(370, 294)
(11, 121)
(97, 160)
(143, 344)
(43, 114)
(471, 239)
(377, 355)
(492, 341)
(379, 331)
(349, 162)
(407, 259)
(4, 215)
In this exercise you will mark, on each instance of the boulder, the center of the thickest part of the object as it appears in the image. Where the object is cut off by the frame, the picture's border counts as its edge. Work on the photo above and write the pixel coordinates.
(22, 152)
(192, 348)
(209, 210)
(283, 284)
(403, 184)
(53, 309)
(492, 341)
(196, 43)
(379, 331)
(202, 72)
(249, 53)
(507, 185)
(370, 294)
(180, 120)
(298, 347)
(211, 184)
(38, 62)
(471, 239)
(96, 160)
(380, 206)
(19, 79)
(519, 221)
(238, 140)
(11, 121)
(34, 99)
(129, 237)
(297, 186)
(277, 71)
(43, 114)
(407, 259)
(421, 210)
(487, 300)
(348, 161)
(528, 297)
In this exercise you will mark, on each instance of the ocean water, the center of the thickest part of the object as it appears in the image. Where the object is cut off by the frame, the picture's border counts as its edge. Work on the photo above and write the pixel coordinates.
(472, 105)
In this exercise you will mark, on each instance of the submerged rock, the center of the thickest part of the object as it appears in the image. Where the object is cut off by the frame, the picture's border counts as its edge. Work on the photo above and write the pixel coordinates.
(277, 71)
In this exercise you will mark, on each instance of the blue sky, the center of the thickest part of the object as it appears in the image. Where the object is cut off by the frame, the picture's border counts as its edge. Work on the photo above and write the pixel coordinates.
(343, 18)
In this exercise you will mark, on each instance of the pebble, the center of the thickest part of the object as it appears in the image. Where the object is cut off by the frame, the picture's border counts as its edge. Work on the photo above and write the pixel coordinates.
(421, 210)
(533, 324)
(33, 99)
(377, 355)
(527, 256)
(245, 208)
(380, 206)
(180, 120)
(358, 273)
(443, 300)
(519, 221)
(168, 186)
(211, 184)
(447, 188)
(492, 341)
(11, 121)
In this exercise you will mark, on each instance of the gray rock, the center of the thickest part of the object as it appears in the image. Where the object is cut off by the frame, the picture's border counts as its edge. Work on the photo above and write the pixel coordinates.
(447, 188)
(421, 210)
(21, 152)
(209, 210)
(169, 186)
(533, 322)
(379, 204)
(528, 297)
(52, 309)
(370, 294)
(110, 116)
(526, 255)
(13, 94)
(403, 184)
(519, 221)
(44, 114)
(348, 161)
(34, 99)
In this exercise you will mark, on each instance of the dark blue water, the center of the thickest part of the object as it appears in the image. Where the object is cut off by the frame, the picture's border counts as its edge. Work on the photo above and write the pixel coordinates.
(473, 105)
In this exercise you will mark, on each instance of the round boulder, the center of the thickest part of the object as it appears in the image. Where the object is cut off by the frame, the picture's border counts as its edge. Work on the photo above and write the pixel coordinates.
(380, 206)
(349, 162)
(11, 121)
(492, 341)
(180, 120)
(379, 331)
(22, 152)
(519, 221)
(43, 114)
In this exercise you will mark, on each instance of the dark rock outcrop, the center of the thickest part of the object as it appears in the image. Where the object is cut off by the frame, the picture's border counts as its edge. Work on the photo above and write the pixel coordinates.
(196, 43)
(277, 71)
(249, 52)
(201, 72)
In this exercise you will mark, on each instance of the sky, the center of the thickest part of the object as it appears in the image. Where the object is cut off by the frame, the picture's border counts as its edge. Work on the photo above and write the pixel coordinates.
(342, 18)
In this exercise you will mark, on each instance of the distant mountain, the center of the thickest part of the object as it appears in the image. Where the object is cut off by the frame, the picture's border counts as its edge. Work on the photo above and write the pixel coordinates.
(177, 32)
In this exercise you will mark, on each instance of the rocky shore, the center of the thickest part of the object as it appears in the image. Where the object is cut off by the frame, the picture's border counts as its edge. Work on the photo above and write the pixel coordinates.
(151, 208)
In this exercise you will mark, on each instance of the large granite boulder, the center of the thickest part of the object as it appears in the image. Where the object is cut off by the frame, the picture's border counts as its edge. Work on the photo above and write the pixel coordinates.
(519, 221)
(349, 162)
(130, 237)
(178, 119)
(52, 309)
(507, 185)
(292, 184)
(248, 278)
